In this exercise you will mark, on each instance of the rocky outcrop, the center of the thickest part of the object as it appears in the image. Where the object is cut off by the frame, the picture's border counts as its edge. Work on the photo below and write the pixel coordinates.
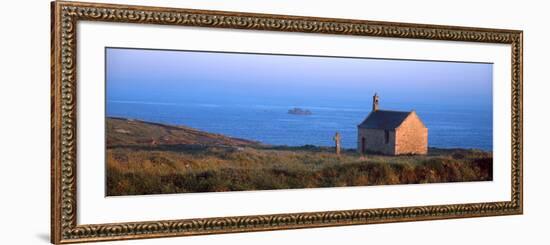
(299, 111)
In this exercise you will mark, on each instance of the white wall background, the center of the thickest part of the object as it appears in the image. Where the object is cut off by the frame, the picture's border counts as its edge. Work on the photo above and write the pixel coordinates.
(25, 108)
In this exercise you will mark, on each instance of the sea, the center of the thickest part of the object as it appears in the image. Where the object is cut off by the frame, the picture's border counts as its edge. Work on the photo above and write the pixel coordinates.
(454, 126)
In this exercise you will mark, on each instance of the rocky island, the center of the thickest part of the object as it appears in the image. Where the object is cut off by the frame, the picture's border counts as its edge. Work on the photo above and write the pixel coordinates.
(299, 111)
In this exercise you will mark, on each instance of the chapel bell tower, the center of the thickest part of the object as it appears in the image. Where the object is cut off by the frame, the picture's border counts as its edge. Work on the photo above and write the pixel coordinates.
(375, 102)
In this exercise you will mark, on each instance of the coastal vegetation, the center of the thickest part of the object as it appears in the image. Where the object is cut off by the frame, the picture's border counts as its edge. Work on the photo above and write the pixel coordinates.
(151, 158)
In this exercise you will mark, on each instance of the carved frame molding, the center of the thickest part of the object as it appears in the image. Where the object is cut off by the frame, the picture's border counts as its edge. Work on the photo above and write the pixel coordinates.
(65, 16)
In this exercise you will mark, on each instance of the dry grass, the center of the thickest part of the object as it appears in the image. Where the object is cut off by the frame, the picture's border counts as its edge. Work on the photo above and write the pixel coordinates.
(137, 170)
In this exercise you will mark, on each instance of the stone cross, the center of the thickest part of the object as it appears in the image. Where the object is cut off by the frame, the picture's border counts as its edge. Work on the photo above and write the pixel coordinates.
(337, 142)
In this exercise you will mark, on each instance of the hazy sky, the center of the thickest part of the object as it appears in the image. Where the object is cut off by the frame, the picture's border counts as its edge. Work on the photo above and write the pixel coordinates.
(234, 78)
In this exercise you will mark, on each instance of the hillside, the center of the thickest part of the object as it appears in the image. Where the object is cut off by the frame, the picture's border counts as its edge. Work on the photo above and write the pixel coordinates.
(121, 131)
(152, 158)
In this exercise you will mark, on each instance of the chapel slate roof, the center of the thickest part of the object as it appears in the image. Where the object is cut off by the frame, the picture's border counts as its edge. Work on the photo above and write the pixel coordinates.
(386, 120)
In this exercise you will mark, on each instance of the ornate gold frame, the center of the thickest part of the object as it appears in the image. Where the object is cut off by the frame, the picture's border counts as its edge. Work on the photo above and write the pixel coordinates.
(65, 15)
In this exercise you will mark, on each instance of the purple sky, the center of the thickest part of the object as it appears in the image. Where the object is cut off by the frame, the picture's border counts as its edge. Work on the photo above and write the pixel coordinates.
(236, 78)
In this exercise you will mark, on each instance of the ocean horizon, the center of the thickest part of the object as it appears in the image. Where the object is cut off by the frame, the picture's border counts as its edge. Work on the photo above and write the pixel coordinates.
(449, 126)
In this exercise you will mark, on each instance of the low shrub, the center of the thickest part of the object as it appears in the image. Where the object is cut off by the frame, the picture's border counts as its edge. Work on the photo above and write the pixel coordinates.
(138, 172)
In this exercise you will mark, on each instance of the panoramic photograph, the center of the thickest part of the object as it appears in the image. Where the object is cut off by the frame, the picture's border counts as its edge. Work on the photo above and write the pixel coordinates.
(181, 121)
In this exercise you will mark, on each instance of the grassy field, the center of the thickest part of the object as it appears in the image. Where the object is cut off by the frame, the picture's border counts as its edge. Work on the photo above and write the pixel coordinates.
(147, 158)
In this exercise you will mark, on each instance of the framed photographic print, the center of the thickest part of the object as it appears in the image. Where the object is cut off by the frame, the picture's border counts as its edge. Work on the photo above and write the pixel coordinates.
(175, 122)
